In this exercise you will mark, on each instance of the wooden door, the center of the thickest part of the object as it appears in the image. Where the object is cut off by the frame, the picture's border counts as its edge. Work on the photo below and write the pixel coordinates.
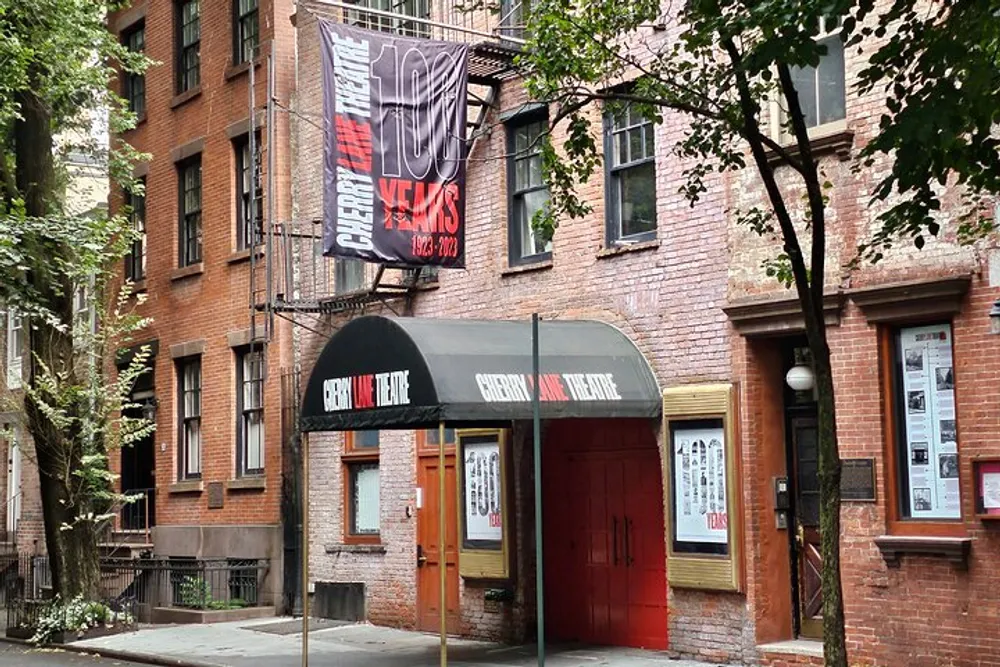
(645, 555)
(428, 546)
(605, 554)
(805, 445)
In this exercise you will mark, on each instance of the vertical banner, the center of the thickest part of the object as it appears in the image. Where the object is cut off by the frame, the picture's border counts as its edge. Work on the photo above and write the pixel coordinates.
(394, 155)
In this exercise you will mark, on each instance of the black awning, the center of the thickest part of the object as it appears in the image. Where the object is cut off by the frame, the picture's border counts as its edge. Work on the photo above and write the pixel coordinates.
(382, 373)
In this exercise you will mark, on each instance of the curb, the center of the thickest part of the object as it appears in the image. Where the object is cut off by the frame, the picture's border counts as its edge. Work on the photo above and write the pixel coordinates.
(114, 654)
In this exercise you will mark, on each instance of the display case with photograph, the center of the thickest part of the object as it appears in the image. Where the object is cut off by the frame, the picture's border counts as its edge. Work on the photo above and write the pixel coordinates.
(986, 476)
(700, 479)
(483, 504)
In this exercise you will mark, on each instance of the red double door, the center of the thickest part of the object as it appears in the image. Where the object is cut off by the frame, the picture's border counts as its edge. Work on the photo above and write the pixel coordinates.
(605, 554)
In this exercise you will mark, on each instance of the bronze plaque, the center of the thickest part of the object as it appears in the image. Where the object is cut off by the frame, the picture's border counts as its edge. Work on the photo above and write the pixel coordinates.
(857, 480)
(215, 495)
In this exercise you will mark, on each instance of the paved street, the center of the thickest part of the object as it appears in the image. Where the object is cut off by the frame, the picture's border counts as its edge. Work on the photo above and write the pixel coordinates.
(277, 643)
(12, 655)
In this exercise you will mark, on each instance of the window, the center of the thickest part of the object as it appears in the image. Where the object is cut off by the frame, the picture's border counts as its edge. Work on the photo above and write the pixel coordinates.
(246, 29)
(188, 45)
(189, 372)
(361, 465)
(250, 412)
(925, 423)
(528, 193)
(821, 89)
(514, 18)
(135, 260)
(249, 194)
(395, 24)
(15, 348)
(349, 275)
(189, 174)
(432, 437)
(135, 84)
(631, 177)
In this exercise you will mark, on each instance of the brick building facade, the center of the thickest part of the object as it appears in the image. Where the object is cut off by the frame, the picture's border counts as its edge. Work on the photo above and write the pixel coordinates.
(213, 471)
(690, 292)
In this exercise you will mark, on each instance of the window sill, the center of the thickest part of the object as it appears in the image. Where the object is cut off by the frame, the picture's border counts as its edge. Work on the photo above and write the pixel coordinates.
(138, 287)
(355, 455)
(185, 97)
(236, 71)
(953, 549)
(624, 248)
(188, 271)
(836, 141)
(254, 483)
(139, 122)
(240, 256)
(541, 265)
(355, 549)
(186, 486)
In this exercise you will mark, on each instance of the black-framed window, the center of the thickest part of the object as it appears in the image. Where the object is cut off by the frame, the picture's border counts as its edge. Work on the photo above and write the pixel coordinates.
(189, 181)
(250, 411)
(363, 500)
(246, 30)
(189, 418)
(527, 191)
(135, 260)
(188, 48)
(249, 193)
(630, 167)
(925, 423)
(134, 89)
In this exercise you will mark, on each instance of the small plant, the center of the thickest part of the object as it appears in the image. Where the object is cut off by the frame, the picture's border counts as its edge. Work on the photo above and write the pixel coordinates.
(77, 616)
(196, 593)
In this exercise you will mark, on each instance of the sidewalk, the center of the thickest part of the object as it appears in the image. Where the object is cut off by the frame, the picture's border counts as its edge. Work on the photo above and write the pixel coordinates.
(278, 643)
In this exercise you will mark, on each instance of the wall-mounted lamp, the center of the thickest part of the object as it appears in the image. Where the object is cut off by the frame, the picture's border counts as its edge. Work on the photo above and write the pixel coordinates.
(149, 409)
(800, 377)
(995, 317)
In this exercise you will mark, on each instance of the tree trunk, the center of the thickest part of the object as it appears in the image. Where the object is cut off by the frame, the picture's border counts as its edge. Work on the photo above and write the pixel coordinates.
(834, 641)
(73, 553)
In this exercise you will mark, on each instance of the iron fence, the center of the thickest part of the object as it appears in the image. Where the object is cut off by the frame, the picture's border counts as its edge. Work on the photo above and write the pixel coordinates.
(137, 586)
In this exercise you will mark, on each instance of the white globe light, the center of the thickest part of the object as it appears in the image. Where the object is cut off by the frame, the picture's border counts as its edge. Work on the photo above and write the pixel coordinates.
(800, 378)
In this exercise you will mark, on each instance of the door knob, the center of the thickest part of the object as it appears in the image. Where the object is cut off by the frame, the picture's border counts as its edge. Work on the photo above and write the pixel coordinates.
(800, 535)
(421, 558)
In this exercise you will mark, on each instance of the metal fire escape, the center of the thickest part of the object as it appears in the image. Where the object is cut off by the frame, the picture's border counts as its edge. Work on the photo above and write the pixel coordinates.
(291, 275)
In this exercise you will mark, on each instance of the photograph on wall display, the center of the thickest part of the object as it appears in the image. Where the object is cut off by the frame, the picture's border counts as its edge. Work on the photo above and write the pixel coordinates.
(481, 491)
(948, 466)
(922, 499)
(916, 401)
(918, 453)
(914, 360)
(948, 433)
(945, 379)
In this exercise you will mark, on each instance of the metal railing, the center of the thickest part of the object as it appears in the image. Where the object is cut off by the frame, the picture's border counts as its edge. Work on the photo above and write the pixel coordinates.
(187, 583)
(137, 515)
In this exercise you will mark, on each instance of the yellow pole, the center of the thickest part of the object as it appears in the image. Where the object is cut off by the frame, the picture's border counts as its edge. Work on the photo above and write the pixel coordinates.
(305, 550)
(442, 542)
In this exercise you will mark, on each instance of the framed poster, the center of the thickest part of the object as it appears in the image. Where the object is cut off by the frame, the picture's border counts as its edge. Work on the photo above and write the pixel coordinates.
(927, 413)
(699, 507)
(483, 503)
(701, 470)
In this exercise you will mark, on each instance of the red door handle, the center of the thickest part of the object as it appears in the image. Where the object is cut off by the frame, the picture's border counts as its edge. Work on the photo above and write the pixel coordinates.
(628, 548)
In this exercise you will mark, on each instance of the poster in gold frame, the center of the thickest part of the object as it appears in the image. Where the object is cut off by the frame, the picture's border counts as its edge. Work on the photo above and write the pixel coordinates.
(707, 562)
(484, 507)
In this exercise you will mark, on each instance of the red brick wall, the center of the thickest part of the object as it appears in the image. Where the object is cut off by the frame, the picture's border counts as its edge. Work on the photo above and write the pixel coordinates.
(210, 305)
